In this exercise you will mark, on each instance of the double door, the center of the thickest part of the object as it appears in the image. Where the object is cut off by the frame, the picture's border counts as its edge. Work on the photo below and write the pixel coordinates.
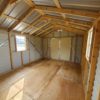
(60, 48)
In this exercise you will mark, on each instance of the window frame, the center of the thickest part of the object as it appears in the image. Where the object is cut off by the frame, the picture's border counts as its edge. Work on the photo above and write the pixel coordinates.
(16, 42)
(91, 45)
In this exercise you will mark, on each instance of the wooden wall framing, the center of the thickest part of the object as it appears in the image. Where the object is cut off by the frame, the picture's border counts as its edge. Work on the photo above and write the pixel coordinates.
(94, 56)
(10, 51)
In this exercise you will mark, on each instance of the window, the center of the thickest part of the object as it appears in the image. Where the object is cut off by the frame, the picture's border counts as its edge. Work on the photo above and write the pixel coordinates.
(89, 44)
(20, 43)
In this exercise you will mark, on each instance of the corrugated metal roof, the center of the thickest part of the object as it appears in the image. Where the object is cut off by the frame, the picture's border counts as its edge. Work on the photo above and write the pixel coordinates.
(37, 32)
(7, 23)
(16, 10)
(83, 18)
(19, 9)
(32, 17)
(46, 26)
(2, 19)
(29, 29)
(10, 9)
(20, 26)
(44, 2)
(40, 23)
(81, 4)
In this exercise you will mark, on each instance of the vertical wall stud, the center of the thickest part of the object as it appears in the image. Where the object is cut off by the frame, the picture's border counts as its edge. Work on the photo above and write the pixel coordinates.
(22, 58)
(29, 48)
(10, 51)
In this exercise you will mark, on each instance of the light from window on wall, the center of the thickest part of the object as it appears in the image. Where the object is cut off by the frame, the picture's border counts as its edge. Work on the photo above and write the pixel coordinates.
(20, 43)
(89, 44)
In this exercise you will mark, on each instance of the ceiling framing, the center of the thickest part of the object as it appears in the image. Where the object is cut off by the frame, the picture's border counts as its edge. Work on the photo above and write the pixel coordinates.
(52, 14)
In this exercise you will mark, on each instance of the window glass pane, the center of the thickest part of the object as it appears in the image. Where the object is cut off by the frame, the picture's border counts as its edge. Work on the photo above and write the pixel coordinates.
(21, 43)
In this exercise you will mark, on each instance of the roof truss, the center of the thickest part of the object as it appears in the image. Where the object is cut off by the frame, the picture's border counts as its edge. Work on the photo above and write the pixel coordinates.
(76, 26)
(85, 13)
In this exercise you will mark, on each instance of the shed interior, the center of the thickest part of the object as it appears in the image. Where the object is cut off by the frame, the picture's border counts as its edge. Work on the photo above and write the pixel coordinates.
(49, 49)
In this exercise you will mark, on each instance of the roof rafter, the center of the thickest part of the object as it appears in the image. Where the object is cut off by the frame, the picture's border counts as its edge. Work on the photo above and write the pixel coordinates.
(71, 26)
(58, 5)
(39, 28)
(68, 29)
(25, 15)
(85, 13)
(10, 17)
(14, 1)
(31, 25)
(69, 20)
(75, 22)
(50, 27)
(47, 32)
(30, 3)
(6, 4)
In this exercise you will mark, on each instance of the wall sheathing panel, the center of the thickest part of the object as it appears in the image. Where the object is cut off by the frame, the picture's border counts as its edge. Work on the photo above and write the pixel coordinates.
(33, 52)
(96, 88)
(35, 48)
(16, 56)
(4, 53)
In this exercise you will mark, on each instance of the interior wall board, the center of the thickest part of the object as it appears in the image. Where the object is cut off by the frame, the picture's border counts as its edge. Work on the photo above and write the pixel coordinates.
(34, 55)
(36, 48)
(78, 49)
(4, 53)
(65, 49)
(54, 48)
(96, 87)
(16, 56)
(73, 41)
(27, 56)
(48, 51)
(37, 41)
(94, 59)
(45, 48)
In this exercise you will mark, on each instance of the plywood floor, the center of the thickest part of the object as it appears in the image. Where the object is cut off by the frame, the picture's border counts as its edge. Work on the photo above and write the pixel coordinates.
(46, 80)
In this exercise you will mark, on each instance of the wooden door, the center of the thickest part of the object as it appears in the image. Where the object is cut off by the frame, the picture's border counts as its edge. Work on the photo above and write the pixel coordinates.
(65, 49)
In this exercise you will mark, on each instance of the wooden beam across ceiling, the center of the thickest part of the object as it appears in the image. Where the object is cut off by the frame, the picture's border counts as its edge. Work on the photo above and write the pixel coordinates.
(43, 31)
(31, 25)
(5, 4)
(58, 5)
(47, 32)
(84, 13)
(9, 17)
(55, 18)
(71, 30)
(69, 20)
(70, 25)
(28, 25)
(39, 28)
(14, 1)
(30, 3)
